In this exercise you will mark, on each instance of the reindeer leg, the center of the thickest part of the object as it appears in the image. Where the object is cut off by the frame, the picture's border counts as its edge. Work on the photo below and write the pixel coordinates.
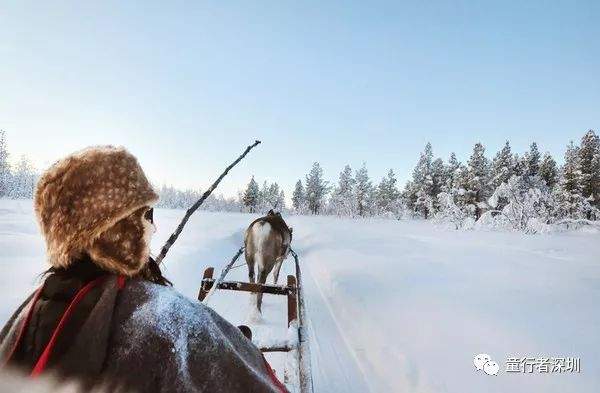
(250, 262)
(276, 272)
(262, 278)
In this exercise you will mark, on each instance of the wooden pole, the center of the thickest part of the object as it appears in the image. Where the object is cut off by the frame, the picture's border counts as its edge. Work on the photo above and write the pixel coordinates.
(223, 274)
(292, 301)
(199, 202)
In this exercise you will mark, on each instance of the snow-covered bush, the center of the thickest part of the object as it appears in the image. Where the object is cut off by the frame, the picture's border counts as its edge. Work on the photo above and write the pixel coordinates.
(529, 206)
(449, 212)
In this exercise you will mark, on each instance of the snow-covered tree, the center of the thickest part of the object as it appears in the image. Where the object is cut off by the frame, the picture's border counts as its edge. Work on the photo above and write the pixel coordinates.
(532, 161)
(316, 189)
(570, 202)
(343, 200)
(5, 174)
(589, 163)
(529, 205)
(452, 171)
(263, 197)
(408, 197)
(424, 204)
(452, 204)
(387, 196)
(450, 212)
(274, 197)
(299, 198)
(502, 166)
(172, 198)
(438, 176)
(23, 180)
(477, 190)
(281, 201)
(270, 198)
(363, 192)
(570, 180)
(421, 192)
(519, 165)
(251, 196)
(548, 170)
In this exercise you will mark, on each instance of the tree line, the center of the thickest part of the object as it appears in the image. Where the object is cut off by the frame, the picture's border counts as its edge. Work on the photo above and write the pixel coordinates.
(526, 191)
(16, 182)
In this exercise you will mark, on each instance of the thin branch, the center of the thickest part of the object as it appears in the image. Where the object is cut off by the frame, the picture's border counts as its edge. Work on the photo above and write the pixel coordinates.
(199, 202)
(223, 274)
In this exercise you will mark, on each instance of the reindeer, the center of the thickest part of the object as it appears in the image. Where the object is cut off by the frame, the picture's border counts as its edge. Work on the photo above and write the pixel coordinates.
(267, 243)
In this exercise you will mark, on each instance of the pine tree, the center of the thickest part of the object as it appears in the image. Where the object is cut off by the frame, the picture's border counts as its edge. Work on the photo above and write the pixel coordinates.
(532, 161)
(363, 191)
(281, 201)
(387, 195)
(23, 181)
(518, 165)
(299, 198)
(452, 171)
(438, 178)
(571, 172)
(316, 189)
(420, 194)
(589, 161)
(343, 201)
(273, 199)
(263, 197)
(478, 180)
(548, 170)
(5, 174)
(251, 196)
(570, 201)
(502, 166)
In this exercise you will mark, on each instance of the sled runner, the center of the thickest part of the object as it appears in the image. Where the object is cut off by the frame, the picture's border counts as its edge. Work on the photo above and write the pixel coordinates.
(293, 290)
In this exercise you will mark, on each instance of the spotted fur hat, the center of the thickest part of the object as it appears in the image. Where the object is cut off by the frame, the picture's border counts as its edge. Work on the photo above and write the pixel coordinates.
(92, 203)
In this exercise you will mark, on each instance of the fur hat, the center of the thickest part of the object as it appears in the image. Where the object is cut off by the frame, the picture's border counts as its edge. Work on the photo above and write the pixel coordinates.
(92, 203)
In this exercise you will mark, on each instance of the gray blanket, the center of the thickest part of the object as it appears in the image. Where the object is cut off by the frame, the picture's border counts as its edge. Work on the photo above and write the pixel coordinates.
(149, 338)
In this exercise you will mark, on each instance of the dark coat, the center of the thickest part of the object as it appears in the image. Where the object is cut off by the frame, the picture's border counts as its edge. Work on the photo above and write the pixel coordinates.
(143, 337)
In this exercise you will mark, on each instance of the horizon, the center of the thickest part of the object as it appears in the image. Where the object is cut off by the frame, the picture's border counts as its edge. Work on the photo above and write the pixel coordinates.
(332, 180)
(186, 88)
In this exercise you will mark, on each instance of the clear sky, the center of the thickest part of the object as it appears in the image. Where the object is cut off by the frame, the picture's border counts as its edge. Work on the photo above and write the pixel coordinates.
(187, 85)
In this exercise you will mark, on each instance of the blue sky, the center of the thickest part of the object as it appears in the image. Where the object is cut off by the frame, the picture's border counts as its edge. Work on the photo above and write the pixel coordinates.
(187, 85)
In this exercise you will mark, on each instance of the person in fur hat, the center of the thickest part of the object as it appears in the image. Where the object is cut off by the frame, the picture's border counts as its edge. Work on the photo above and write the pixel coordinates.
(105, 315)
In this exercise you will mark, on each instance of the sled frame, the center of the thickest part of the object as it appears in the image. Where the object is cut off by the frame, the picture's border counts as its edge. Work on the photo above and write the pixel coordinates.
(296, 309)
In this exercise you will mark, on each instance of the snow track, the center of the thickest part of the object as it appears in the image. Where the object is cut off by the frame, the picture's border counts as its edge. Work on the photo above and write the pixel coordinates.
(334, 363)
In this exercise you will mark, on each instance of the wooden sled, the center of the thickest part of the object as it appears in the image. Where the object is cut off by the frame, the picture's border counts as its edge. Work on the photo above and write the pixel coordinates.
(293, 290)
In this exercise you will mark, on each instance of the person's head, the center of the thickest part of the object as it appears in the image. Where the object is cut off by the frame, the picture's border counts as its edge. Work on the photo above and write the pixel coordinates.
(96, 203)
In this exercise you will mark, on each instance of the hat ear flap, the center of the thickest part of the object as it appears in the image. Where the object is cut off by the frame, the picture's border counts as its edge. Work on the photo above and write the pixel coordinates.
(124, 247)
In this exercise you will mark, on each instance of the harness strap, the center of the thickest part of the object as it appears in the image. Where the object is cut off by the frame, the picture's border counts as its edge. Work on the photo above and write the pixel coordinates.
(45, 357)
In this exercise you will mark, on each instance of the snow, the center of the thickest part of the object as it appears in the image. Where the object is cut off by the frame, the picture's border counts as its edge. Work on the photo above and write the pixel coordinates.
(161, 311)
(392, 305)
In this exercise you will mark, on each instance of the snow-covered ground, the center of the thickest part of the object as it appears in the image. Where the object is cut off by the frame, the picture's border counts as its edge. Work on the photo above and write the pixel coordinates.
(392, 305)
